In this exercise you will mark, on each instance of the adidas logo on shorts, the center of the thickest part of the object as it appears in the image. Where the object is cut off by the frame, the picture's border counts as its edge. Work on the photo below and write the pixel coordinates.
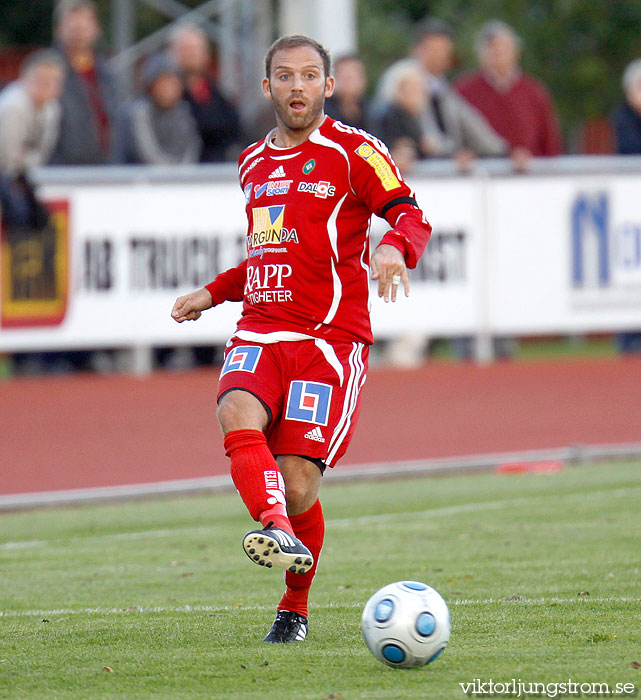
(315, 434)
(279, 172)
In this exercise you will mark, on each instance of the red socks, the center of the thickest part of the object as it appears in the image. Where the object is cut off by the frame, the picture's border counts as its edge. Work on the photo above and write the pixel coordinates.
(309, 527)
(257, 477)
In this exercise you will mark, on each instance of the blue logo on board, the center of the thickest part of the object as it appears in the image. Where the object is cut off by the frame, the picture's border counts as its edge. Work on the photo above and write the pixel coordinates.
(602, 253)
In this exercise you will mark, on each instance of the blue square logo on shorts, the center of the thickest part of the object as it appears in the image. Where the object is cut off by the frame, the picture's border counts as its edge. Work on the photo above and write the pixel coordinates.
(309, 402)
(242, 358)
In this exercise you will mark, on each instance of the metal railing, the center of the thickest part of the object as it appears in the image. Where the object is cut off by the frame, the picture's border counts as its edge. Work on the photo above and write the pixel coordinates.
(226, 172)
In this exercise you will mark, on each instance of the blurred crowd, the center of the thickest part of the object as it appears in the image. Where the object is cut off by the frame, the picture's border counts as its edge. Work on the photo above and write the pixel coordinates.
(64, 109)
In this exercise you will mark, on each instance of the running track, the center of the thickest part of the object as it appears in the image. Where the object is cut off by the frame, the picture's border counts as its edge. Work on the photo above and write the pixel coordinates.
(86, 431)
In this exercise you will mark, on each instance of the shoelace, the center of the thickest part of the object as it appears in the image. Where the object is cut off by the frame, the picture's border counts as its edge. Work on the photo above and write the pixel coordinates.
(284, 621)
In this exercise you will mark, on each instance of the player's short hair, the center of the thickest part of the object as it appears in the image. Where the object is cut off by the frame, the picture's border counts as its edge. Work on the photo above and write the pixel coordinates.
(491, 30)
(347, 58)
(631, 75)
(41, 57)
(65, 7)
(431, 26)
(183, 27)
(293, 41)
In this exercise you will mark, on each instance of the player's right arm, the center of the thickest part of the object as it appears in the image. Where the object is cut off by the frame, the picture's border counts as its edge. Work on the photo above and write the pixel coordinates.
(376, 179)
(228, 286)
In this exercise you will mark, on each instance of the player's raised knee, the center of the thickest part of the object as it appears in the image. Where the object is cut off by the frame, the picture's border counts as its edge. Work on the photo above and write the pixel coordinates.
(296, 494)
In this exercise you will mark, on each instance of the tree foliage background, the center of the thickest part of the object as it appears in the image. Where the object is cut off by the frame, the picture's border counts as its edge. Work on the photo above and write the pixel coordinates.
(30, 22)
(578, 48)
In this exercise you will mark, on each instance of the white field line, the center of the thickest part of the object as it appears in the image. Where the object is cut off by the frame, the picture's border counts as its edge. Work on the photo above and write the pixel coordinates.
(24, 544)
(144, 534)
(136, 610)
(443, 511)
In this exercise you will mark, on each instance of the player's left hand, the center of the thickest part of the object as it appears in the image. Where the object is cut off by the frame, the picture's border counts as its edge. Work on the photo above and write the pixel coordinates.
(388, 267)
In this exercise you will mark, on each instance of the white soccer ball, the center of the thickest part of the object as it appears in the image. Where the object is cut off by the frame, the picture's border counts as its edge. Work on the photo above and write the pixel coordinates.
(405, 624)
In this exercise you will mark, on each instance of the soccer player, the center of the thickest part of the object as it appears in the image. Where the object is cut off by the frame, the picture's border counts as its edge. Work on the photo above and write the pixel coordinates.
(289, 389)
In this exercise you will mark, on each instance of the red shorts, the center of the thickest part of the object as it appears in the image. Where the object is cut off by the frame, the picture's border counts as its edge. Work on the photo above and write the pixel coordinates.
(310, 389)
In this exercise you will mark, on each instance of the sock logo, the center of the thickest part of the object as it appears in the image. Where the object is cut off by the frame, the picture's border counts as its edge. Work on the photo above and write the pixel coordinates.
(309, 402)
(275, 487)
(242, 358)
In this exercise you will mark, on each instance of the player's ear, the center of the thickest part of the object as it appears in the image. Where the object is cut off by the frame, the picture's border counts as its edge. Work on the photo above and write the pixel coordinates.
(329, 85)
(266, 89)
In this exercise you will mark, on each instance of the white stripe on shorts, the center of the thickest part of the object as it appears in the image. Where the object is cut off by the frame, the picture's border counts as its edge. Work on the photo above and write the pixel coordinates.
(330, 355)
(354, 384)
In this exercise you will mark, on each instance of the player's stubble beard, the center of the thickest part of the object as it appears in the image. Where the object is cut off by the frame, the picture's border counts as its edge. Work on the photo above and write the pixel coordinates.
(296, 123)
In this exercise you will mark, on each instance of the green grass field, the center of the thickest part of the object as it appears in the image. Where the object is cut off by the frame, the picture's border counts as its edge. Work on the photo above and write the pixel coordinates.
(542, 574)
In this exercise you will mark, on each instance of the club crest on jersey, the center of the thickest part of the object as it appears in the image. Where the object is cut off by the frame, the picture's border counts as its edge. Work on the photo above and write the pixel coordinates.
(309, 166)
(267, 227)
(381, 167)
(320, 189)
(309, 402)
(242, 358)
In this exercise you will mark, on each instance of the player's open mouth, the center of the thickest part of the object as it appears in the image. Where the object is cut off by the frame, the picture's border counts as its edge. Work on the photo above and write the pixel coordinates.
(297, 105)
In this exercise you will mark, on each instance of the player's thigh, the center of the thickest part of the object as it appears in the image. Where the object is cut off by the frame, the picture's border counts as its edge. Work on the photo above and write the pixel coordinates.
(249, 387)
(240, 410)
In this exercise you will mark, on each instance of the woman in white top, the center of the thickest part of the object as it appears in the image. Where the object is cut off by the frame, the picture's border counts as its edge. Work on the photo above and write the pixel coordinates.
(30, 113)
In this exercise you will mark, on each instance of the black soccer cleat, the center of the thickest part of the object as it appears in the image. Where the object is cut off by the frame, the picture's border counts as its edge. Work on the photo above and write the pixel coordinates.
(288, 627)
(276, 547)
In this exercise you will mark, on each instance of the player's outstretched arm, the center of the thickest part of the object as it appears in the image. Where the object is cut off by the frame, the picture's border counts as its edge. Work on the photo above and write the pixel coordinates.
(190, 306)
(388, 267)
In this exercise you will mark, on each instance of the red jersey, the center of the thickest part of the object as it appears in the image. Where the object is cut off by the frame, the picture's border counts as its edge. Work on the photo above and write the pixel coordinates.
(308, 214)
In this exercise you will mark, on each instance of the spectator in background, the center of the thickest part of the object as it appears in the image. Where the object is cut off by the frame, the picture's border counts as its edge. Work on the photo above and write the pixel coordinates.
(157, 128)
(404, 127)
(462, 131)
(626, 122)
(410, 121)
(517, 105)
(88, 97)
(30, 113)
(217, 119)
(29, 124)
(348, 103)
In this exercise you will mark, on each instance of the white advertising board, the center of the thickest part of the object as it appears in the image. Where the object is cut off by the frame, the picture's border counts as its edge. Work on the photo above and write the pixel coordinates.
(565, 254)
(133, 249)
(508, 255)
(445, 297)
